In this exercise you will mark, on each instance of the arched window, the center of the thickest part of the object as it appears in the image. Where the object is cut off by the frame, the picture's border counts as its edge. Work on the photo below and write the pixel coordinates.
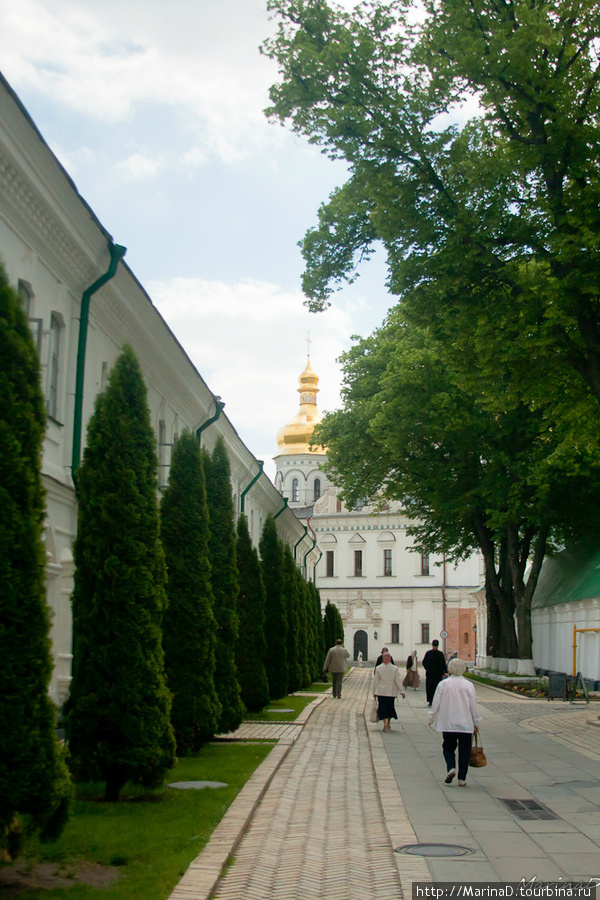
(295, 490)
(317, 489)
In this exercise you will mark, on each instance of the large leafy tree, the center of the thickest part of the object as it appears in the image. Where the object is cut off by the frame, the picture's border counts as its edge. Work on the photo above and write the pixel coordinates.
(34, 780)
(251, 644)
(471, 132)
(222, 542)
(472, 470)
(276, 625)
(118, 711)
(189, 626)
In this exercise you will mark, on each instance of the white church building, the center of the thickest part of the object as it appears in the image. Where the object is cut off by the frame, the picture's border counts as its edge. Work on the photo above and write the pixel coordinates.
(365, 564)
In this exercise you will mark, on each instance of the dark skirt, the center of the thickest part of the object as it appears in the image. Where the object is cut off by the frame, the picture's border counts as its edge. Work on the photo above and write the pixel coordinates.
(386, 708)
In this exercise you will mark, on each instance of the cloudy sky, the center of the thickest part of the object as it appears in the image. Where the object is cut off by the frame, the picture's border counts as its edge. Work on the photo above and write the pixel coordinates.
(156, 111)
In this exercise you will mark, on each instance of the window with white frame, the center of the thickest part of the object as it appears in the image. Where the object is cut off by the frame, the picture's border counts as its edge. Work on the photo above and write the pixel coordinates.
(395, 638)
(295, 490)
(358, 563)
(317, 489)
(329, 558)
(387, 561)
(54, 366)
(424, 564)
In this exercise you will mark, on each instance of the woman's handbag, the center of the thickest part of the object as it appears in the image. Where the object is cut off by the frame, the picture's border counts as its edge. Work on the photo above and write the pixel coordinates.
(374, 715)
(477, 758)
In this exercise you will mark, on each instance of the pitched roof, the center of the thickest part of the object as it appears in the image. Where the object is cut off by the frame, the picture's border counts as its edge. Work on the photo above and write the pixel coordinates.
(574, 574)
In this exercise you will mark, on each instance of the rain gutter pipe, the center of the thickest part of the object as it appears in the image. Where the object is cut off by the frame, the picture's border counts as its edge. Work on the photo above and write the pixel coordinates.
(300, 539)
(117, 252)
(310, 549)
(254, 480)
(219, 407)
(315, 567)
(283, 508)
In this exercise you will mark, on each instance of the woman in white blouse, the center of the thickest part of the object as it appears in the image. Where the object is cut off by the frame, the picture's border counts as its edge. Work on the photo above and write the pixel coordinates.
(454, 713)
(387, 684)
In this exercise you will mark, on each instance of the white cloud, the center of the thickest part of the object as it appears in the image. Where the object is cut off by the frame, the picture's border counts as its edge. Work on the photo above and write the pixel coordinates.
(140, 166)
(106, 59)
(248, 341)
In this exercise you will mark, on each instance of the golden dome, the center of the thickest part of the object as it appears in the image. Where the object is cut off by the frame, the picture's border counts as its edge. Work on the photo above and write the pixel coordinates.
(295, 436)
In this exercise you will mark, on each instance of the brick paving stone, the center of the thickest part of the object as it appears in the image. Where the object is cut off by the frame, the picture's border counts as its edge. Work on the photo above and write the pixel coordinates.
(320, 829)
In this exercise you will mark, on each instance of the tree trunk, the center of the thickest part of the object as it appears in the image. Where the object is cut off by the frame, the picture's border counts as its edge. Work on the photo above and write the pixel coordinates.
(114, 784)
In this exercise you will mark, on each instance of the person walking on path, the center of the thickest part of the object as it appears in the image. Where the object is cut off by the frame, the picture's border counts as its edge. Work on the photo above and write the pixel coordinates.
(360, 658)
(411, 679)
(380, 657)
(335, 662)
(387, 685)
(435, 667)
(454, 713)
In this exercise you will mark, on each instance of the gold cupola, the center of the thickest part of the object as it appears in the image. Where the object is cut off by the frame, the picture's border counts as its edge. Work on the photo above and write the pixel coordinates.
(295, 436)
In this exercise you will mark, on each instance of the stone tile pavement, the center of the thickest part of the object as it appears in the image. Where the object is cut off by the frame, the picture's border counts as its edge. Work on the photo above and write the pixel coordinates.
(336, 797)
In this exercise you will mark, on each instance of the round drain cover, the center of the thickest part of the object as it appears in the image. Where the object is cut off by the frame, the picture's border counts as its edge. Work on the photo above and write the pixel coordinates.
(196, 785)
(434, 850)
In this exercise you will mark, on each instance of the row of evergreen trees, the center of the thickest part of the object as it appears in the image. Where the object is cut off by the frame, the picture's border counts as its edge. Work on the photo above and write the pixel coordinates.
(178, 626)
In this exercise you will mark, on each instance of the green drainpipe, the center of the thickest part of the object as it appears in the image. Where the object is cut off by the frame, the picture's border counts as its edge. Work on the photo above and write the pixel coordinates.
(300, 539)
(219, 407)
(315, 567)
(310, 549)
(283, 508)
(117, 252)
(254, 480)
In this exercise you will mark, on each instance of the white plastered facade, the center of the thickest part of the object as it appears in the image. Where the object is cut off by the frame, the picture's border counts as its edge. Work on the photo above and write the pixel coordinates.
(53, 248)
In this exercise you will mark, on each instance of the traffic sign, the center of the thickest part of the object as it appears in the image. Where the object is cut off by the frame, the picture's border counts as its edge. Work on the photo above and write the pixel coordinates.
(443, 635)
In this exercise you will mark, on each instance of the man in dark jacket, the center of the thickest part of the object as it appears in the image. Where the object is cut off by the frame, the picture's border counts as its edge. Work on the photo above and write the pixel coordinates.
(335, 661)
(435, 667)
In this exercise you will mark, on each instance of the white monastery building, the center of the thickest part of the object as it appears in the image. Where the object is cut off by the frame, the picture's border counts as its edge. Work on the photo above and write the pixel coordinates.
(387, 594)
(63, 262)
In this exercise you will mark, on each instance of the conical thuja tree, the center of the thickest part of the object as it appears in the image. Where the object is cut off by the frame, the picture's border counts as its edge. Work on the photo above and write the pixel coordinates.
(251, 644)
(118, 712)
(305, 638)
(34, 780)
(276, 661)
(319, 650)
(295, 637)
(333, 627)
(189, 626)
(222, 544)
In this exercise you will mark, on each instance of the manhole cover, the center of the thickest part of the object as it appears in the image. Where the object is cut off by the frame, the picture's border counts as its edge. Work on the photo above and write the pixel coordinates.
(434, 850)
(196, 785)
(529, 809)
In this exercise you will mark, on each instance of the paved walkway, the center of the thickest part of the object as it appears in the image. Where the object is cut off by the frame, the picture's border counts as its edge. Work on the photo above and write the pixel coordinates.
(333, 809)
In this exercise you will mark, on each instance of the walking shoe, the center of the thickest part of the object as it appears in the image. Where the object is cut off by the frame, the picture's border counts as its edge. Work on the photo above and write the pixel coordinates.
(450, 776)
(462, 783)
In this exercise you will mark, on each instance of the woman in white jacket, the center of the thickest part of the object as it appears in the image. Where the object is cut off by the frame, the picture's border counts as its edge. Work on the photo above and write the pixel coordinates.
(387, 684)
(454, 713)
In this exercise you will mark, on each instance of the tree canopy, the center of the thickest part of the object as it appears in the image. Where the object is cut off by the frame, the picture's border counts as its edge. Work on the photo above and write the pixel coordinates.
(471, 470)
(471, 134)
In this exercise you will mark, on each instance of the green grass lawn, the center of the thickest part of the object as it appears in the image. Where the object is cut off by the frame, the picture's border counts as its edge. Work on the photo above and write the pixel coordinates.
(272, 712)
(147, 840)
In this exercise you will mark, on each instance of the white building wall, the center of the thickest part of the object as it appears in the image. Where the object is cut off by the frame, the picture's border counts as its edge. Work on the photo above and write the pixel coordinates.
(51, 241)
(553, 637)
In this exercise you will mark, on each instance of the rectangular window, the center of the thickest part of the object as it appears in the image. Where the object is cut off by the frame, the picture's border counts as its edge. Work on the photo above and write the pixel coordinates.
(54, 361)
(387, 562)
(395, 633)
(162, 455)
(424, 564)
(338, 505)
(424, 632)
(358, 563)
(329, 558)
